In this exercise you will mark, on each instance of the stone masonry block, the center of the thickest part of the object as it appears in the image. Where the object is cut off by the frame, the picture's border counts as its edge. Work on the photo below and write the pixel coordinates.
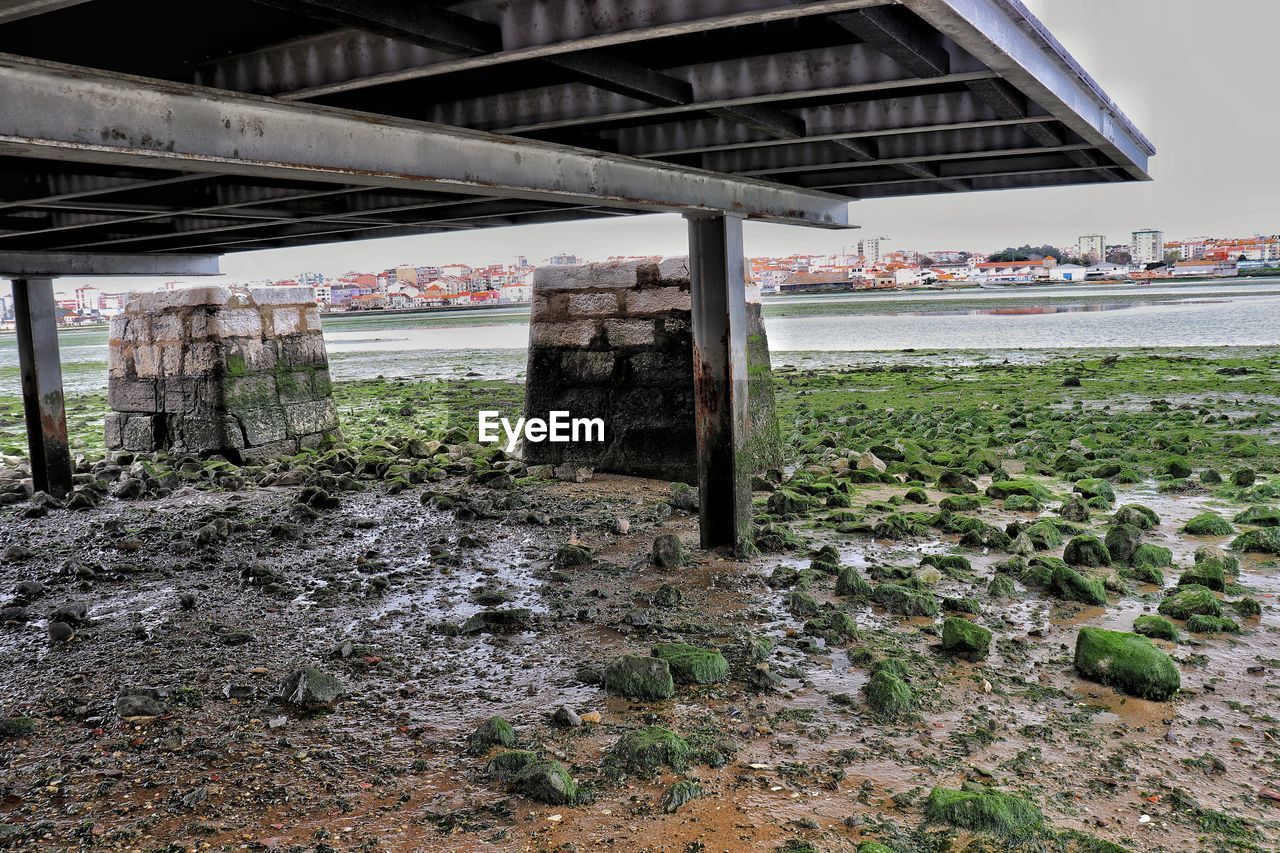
(297, 296)
(132, 395)
(302, 350)
(295, 386)
(146, 361)
(263, 426)
(674, 269)
(615, 275)
(166, 328)
(246, 393)
(246, 355)
(139, 433)
(629, 333)
(587, 365)
(311, 318)
(237, 323)
(286, 320)
(577, 333)
(659, 300)
(200, 358)
(593, 304)
(315, 416)
(112, 430)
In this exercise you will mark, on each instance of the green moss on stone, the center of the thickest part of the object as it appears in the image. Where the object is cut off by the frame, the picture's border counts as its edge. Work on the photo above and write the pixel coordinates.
(1128, 662)
(985, 811)
(888, 695)
(1151, 625)
(1208, 524)
(965, 639)
(649, 749)
(1086, 551)
(639, 677)
(692, 665)
(1188, 601)
(494, 731)
(1070, 585)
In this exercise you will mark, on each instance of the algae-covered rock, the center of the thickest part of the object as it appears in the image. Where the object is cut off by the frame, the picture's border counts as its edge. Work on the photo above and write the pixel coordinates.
(494, 731)
(1002, 489)
(834, 626)
(649, 749)
(850, 583)
(801, 603)
(1259, 516)
(1206, 573)
(1191, 600)
(571, 556)
(1043, 535)
(965, 639)
(959, 503)
(1264, 540)
(692, 665)
(1141, 517)
(1086, 551)
(788, 502)
(507, 765)
(897, 525)
(1208, 524)
(680, 793)
(1001, 587)
(1094, 487)
(888, 695)
(1074, 509)
(985, 811)
(667, 552)
(1151, 625)
(952, 565)
(1212, 625)
(1121, 541)
(639, 677)
(1128, 662)
(1153, 556)
(904, 601)
(1178, 467)
(1070, 585)
(1247, 608)
(310, 688)
(954, 481)
(546, 781)
(1022, 503)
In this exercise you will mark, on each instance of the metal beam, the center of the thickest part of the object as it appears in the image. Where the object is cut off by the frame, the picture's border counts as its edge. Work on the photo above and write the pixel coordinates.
(817, 72)
(1007, 38)
(54, 264)
(422, 24)
(894, 32)
(716, 277)
(16, 10)
(348, 60)
(35, 317)
(62, 112)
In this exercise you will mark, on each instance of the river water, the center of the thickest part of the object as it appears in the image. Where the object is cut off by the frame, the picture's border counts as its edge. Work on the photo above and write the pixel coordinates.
(1017, 323)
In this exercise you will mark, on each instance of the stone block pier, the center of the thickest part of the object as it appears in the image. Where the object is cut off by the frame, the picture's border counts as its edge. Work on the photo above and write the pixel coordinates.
(236, 371)
(615, 341)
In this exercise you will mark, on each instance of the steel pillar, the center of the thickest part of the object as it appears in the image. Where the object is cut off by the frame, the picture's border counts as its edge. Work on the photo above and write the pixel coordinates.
(37, 326)
(717, 281)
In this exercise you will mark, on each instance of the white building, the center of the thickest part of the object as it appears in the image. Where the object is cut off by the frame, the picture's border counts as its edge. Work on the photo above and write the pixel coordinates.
(512, 293)
(872, 249)
(1068, 272)
(1093, 247)
(1147, 246)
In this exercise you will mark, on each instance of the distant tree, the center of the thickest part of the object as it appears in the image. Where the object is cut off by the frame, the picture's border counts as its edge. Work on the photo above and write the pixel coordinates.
(1028, 253)
(1171, 258)
(1242, 257)
(1122, 258)
(1155, 265)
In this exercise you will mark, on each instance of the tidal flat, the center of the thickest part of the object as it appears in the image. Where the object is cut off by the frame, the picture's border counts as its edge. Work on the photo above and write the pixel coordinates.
(998, 604)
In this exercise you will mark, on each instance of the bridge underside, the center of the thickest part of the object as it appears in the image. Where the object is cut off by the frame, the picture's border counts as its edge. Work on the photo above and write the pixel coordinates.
(150, 137)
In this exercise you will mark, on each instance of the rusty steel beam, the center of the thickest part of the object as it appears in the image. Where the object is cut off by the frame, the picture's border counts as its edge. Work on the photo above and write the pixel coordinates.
(41, 373)
(717, 275)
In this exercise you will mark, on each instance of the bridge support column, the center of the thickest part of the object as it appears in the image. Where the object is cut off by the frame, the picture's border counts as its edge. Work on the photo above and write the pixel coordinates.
(716, 275)
(41, 371)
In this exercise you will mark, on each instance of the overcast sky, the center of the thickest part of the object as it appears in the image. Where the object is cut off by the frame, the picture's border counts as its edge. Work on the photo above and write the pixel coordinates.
(1195, 77)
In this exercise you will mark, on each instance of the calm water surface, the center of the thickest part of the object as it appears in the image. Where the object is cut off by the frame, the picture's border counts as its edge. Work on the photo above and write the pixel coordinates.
(806, 330)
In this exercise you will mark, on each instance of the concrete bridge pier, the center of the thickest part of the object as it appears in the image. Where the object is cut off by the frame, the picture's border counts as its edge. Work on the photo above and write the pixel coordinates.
(41, 372)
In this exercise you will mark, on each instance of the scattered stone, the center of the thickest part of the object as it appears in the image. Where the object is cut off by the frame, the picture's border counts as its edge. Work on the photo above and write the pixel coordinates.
(499, 621)
(1158, 627)
(1070, 585)
(547, 781)
(648, 750)
(667, 596)
(888, 695)
(692, 665)
(571, 556)
(621, 526)
(1191, 600)
(685, 790)
(494, 731)
(668, 552)
(136, 702)
(987, 811)
(1122, 541)
(566, 718)
(684, 497)
(309, 688)
(570, 473)
(60, 632)
(1208, 524)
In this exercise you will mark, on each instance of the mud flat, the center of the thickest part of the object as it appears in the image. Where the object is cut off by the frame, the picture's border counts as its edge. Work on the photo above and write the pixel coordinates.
(935, 649)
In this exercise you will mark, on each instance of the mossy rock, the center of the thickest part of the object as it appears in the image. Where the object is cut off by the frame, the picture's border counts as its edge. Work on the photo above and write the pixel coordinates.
(1152, 556)
(1086, 550)
(888, 695)
(851, 584)
(1208, 524)
(1001, 587)
(1247, 608)
(788, 502)
(916, 496)
(680, 793)
(965, 639)
(1022, 503)
(873, 847)
(1043, 535)
(834, 626)
(1206, 573)
(801, 603)
(1070, 585)
(1121, 541)
(570, 556)
(494, 731)
(1141, 517)
(693, 665)
(1151, 625)
(547, 781)
(985, 811)
(1264, 540)
(1178, 467)
(1074, 509)
(898, 526)
(959, 503)
(647, 750)
(1259, 516)
(963, 604)
(1143, 573)
(1212, 625)
(638, 677)
(507, 765)
(904, 601)
(1128, 662)
(1191, 600)
(1003, 489)
(1095, 488)
(951, 565)
(776, 537)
